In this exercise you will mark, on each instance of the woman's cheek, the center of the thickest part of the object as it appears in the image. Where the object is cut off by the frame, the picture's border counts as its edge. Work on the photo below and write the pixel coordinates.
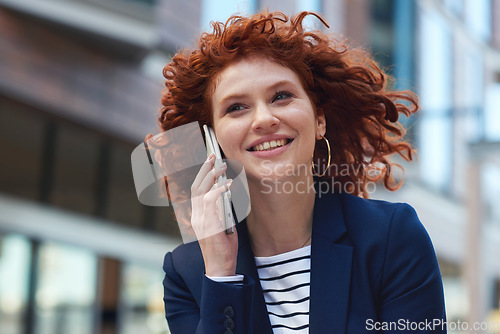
(227, 146)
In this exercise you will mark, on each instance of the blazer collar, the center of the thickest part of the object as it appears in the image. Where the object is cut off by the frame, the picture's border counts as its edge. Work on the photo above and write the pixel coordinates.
(246, 265)
(331, 264)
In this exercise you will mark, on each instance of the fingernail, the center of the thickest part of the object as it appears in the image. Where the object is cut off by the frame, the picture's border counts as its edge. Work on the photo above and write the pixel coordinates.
(211, 157)
(229, 182)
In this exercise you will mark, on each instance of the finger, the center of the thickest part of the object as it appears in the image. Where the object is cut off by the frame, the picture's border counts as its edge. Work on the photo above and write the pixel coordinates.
(212, 195)
(204, 170)
(211, 178)
(213, 222)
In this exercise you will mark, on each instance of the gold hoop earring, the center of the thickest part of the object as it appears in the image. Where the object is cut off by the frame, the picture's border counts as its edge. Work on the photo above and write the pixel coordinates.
(329, 158)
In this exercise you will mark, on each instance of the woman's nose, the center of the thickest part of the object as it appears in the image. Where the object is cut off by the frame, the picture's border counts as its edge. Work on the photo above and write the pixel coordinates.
(264, 118)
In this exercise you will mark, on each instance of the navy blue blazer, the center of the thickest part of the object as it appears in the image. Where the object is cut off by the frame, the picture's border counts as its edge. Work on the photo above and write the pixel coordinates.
(373, 270)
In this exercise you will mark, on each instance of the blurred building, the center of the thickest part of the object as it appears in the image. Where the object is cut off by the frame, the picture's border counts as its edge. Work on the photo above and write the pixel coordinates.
(80, 82)
(449, 52)
(79, 88)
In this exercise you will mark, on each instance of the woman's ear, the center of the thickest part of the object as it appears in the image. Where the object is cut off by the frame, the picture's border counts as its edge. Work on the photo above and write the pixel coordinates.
(320, 126)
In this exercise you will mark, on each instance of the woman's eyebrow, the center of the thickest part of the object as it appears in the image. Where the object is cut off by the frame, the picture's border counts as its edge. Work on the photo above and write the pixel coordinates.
(281, 83)
(232, 97)
(237, 96)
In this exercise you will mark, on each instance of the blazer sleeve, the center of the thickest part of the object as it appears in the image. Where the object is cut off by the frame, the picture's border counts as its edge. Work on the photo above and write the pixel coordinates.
(412, 290)
(222, 308)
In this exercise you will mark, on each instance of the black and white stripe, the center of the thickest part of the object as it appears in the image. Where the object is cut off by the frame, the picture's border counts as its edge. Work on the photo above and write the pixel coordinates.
(285, 281)
(236, 279)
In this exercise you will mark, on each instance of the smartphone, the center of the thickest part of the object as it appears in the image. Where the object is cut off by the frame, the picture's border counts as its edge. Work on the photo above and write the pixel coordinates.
(213, 147)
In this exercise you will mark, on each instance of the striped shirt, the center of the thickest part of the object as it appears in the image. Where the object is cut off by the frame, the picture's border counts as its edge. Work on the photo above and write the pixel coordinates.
(285, 279)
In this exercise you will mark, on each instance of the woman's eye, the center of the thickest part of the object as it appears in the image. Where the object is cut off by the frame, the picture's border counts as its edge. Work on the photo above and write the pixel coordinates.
(281, 96)
(234, 107)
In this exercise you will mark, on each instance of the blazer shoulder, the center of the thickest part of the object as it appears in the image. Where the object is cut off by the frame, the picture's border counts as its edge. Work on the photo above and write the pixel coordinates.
(186, 262)
(370, 206)
(390, 238)
(372, 219)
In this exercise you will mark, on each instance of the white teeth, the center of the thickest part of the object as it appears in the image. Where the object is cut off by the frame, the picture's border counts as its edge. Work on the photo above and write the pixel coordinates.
(269, 145)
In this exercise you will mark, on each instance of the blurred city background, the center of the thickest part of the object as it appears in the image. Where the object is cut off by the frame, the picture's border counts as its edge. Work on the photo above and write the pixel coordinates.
(80, 84)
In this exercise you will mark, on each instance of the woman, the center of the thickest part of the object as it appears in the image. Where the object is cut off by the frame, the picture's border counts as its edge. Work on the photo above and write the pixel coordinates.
(312, 256)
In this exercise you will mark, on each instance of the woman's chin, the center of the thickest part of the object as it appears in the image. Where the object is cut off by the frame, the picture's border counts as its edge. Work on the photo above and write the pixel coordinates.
(284, 180)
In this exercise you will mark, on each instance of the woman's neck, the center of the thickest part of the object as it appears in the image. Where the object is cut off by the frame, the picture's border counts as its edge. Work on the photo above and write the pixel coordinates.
(281, 219)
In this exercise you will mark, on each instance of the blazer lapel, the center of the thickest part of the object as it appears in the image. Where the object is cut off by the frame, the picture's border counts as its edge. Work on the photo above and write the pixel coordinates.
(330, 271)
(246, 265)
(331, 264)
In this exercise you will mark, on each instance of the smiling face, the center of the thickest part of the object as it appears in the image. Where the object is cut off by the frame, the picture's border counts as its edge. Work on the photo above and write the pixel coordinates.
(263, 118)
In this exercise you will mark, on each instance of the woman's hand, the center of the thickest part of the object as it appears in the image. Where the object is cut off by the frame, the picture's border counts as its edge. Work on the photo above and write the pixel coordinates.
(219, 249)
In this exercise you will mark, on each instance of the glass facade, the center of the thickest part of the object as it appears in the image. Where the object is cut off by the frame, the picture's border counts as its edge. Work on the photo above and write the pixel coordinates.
(382, 33)
(75, 169)
(122, 204)
(21, 142)
(435, 90)
(491, 186)
(459, 98)
(478, 18)
(455, 6)
(66, 290)
(14, 270)
(473, 93)
(142, 307)
(491, 112)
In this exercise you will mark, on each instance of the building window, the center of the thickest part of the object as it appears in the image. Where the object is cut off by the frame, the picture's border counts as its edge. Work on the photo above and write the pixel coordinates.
(478, 18)
(75, 169)
(142, 309)
(382, 33)
(65, 295)
(14, 271)
(455, 6)
(122, 203)
(21, 143)
(435, 90)
(491, 190)
(473, 93)
(454, 285)
(491, 114)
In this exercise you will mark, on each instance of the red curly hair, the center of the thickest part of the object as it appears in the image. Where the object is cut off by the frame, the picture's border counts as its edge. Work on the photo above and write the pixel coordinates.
(345, 84)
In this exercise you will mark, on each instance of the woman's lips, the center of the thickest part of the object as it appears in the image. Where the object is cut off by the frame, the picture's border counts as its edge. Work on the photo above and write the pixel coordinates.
(272, 152)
